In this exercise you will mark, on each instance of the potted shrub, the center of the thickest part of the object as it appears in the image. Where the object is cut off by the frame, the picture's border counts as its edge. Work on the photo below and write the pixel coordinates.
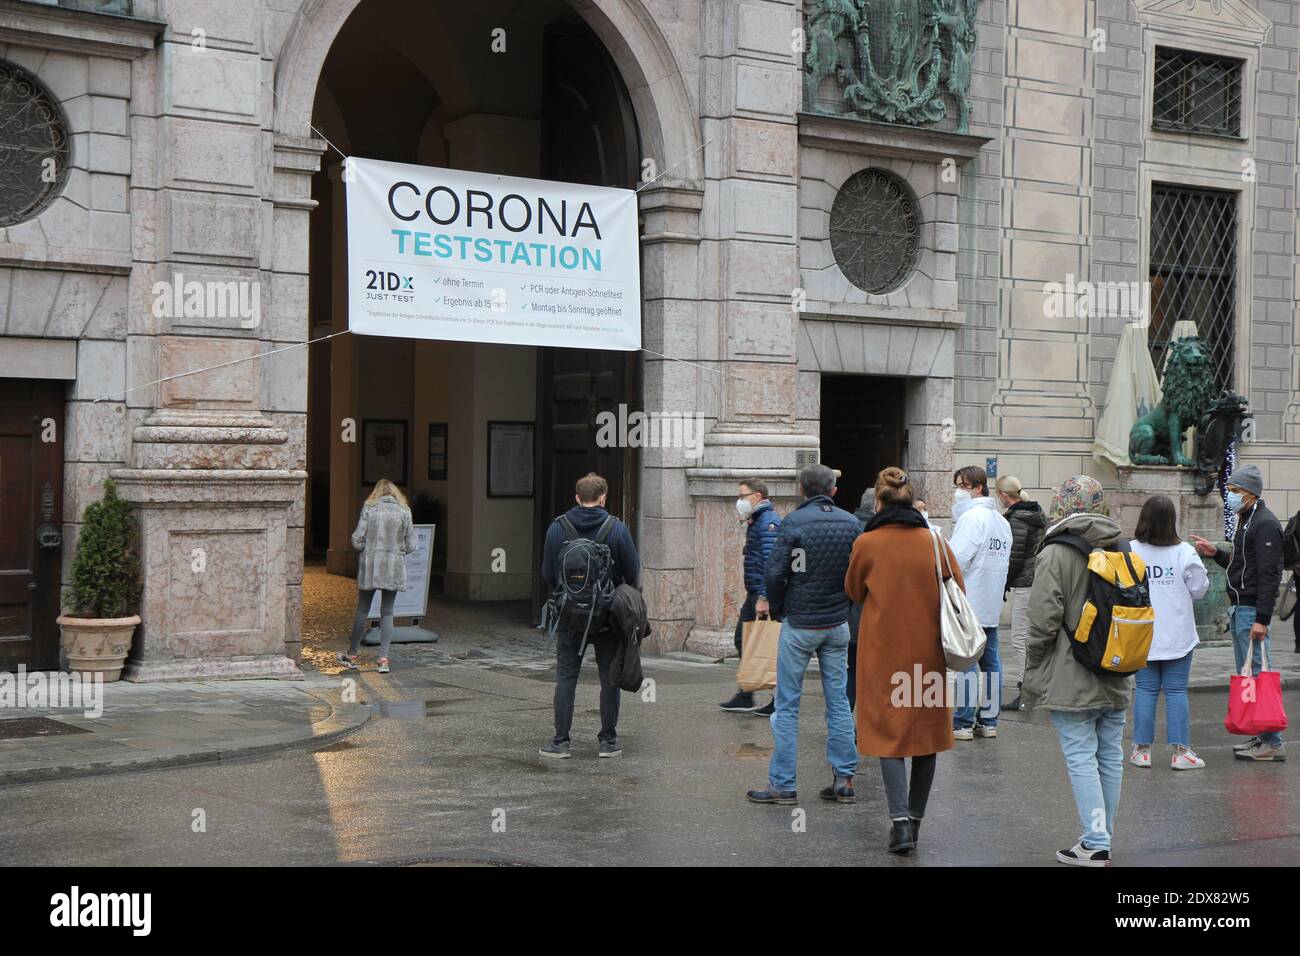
(100, 619)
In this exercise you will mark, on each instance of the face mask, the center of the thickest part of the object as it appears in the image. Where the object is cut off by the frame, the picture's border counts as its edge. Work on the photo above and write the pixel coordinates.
(960, 495)
(1235, 502)
(743, 507)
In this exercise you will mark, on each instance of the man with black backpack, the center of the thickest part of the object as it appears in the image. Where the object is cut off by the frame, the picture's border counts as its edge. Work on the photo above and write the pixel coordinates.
(588, 553)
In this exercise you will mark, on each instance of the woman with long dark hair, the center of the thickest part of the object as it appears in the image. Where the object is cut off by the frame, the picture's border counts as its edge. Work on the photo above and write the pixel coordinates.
(1177, 578)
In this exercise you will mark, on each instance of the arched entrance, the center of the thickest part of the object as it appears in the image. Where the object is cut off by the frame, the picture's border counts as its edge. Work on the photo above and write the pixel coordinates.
(518, 89)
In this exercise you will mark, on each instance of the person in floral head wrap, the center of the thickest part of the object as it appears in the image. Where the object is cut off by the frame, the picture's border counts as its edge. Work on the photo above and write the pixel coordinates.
(1077, 495)
(1087, 709)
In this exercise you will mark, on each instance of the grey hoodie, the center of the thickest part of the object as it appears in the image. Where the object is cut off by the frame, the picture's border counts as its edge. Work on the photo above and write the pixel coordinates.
(1054, 680)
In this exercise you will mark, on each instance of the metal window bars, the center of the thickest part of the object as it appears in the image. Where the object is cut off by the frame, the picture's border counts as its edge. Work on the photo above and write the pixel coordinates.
(1196, 93)
(1193, 272)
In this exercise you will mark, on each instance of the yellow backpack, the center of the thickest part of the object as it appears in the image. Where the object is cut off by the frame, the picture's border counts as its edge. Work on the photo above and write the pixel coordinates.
(1117, 623)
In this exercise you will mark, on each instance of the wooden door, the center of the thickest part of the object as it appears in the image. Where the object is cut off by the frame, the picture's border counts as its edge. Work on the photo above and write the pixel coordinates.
(31, 522)
(588, 136)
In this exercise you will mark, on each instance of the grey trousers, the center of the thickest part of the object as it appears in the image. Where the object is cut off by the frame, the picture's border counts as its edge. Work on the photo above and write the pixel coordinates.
(386, 599)
(905, 801)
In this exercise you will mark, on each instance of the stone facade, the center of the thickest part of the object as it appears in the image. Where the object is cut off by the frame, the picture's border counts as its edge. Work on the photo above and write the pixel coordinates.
(193, 153)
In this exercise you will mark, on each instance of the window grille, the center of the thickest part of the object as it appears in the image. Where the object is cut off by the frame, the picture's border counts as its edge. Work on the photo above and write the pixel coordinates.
(1193, 272)
(1197, 93)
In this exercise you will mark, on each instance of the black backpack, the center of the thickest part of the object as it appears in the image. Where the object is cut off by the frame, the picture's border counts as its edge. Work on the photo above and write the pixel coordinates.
(1291, 543)
(585, 591)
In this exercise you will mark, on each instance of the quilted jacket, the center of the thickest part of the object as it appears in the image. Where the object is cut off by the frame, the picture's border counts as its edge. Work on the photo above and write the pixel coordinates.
(1028, 522)
(805, 573)
(384, 536)
(760, 536)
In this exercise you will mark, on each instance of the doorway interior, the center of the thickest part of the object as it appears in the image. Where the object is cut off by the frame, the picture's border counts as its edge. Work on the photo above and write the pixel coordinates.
(862, 430)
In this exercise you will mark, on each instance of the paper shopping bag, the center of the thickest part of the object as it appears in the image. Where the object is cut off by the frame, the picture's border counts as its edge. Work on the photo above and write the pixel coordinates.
(758, 648)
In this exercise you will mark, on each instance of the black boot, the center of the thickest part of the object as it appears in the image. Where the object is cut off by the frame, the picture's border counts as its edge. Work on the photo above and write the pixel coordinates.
(900, 837)
(916, 827)
(1015, 704)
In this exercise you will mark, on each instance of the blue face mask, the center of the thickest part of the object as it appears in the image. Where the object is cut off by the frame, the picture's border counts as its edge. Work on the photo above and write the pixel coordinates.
(1235, 502)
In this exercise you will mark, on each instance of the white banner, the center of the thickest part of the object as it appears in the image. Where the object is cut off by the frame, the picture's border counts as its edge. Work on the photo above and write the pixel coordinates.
(473, 257)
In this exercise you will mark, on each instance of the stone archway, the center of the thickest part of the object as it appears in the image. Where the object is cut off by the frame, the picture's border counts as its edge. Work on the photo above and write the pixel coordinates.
(668, 124)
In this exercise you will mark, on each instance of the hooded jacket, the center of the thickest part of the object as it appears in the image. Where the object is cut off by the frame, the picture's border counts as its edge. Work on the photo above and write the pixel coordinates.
(1054, 680)
(587, 521)
(1028, 522)
(981, 540)
(761, 529)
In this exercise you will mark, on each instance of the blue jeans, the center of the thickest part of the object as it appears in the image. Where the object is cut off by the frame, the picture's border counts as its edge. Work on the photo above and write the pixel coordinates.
(991, 664)
(1170, 677)
(1240, 622)
(798, 644)
(1093, 744)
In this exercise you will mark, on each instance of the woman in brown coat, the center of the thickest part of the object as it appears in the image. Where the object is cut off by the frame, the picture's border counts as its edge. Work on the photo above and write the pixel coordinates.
(903, 710)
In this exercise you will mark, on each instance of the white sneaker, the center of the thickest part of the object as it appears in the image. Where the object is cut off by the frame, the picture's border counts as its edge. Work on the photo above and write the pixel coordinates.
(1080, 855)
(1141, 756)
(982, 731)
(963, 733)
(1184, 759)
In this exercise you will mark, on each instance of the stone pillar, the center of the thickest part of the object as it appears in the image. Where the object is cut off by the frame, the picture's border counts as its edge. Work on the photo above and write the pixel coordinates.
(750, 255)
(1046, 187)
(216, 304)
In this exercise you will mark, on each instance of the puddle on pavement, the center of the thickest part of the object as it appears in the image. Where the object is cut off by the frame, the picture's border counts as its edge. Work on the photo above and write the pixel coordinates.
(751, 751)
(412, 709)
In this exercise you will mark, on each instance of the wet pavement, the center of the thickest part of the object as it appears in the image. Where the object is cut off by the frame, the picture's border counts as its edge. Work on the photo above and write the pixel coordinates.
(447, 773)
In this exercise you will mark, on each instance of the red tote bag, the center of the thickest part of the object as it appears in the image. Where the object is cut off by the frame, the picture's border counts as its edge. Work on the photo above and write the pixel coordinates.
(1255, 703)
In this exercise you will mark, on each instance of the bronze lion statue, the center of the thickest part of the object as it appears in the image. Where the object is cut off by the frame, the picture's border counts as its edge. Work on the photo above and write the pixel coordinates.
(1157, 437)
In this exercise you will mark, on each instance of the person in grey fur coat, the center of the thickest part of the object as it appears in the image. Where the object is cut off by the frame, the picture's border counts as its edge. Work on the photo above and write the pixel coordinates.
(384, 536)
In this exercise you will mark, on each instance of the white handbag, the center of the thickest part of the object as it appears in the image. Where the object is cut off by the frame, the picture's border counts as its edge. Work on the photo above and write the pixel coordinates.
(960, 631)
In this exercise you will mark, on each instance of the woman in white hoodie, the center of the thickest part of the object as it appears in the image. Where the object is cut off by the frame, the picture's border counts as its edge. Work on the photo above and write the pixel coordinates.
(1177, 578)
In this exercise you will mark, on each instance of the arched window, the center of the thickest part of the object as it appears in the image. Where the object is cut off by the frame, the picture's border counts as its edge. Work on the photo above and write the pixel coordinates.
(33, 145)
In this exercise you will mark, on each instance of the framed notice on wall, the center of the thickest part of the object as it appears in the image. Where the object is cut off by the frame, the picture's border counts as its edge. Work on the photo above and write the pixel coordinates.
(437, 451)
(510, 460)
(383, 450)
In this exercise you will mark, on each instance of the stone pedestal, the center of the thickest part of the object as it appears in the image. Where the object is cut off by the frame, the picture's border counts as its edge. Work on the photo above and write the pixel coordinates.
(215, 500)
(1197, 514)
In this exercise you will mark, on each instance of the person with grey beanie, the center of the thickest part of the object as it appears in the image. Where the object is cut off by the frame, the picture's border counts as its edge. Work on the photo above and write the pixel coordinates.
(1254, 568)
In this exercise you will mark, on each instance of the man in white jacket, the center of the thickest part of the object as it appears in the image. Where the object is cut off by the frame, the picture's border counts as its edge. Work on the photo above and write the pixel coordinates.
(981, 540)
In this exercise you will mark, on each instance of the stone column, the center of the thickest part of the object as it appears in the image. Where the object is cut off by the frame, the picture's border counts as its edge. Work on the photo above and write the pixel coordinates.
(751, 99)
(214, 465)
(1046, 188)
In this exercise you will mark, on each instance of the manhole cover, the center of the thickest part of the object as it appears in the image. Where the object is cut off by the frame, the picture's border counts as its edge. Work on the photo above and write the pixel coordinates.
(22, 727)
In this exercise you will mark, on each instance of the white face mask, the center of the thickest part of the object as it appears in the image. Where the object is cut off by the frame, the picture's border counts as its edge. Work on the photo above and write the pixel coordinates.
(743, 507)
(960, 495)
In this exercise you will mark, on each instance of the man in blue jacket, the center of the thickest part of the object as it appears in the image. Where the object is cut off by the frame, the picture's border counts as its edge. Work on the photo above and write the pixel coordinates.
(805, 588)
(586, 519)
(762, 524)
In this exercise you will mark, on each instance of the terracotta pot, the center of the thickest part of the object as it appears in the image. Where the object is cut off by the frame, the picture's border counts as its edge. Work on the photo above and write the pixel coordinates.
(96, 645)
